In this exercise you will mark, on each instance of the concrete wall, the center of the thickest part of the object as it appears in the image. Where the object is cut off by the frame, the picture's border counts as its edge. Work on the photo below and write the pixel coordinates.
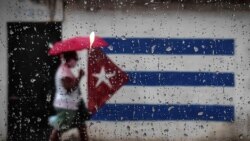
(175, 22)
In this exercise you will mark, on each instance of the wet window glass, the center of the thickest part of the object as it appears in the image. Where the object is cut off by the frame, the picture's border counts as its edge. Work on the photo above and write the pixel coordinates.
(124, 70)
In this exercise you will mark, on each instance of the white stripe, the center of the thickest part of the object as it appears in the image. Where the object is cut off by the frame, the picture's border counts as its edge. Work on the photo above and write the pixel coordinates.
(173, 63)
(174, 95)
(160, 130)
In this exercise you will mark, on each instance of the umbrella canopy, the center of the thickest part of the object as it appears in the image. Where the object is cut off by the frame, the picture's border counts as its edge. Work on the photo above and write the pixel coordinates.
(75, 44)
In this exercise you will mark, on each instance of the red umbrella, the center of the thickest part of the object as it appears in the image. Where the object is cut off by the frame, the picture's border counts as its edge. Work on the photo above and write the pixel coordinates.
(75, 44)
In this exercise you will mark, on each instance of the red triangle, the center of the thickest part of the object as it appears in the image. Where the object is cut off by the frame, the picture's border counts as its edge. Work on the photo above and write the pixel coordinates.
(100, 92)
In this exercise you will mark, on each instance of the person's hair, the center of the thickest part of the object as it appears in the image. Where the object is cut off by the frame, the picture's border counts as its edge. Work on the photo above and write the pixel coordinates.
(70, 55)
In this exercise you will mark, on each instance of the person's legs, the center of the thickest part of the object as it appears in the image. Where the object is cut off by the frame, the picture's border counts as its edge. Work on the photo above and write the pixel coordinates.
(54, 136)
(83, 132)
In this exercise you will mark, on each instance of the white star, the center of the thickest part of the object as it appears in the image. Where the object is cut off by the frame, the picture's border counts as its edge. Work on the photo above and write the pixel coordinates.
(103, 77)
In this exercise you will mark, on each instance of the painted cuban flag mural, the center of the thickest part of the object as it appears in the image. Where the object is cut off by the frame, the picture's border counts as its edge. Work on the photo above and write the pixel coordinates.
(159, 79)
(160, 88)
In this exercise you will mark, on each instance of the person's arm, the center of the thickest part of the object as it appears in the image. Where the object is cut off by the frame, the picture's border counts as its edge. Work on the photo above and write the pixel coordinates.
(70, 84)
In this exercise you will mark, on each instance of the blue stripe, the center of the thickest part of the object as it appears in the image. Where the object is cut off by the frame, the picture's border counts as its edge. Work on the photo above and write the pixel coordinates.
(180, 79)
(170, 46)
(137, 112)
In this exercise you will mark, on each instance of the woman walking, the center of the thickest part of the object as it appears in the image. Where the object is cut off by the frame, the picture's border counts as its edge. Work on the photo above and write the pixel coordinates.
(67, 99)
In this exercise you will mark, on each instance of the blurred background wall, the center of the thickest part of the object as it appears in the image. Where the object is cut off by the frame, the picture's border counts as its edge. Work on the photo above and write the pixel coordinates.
(153, 19)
